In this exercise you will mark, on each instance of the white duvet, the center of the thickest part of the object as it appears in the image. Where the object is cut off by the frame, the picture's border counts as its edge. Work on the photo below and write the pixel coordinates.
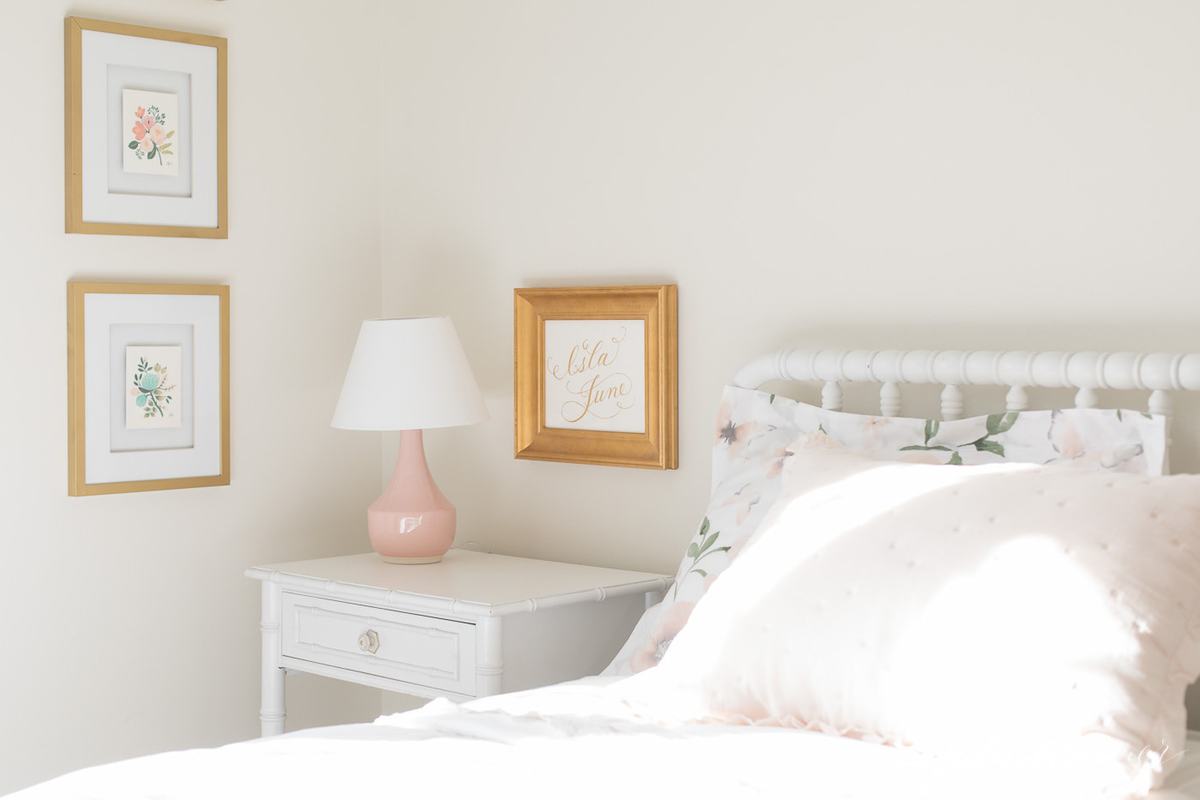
(584, 739)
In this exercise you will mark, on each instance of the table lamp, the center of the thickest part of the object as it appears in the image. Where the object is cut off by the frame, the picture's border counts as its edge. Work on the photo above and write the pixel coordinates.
(409, 375)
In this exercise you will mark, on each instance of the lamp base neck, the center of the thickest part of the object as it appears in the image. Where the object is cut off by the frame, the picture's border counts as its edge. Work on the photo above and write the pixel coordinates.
(412, 522)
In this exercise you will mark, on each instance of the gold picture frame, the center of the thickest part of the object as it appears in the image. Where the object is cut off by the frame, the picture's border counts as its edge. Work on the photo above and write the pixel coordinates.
(74, 138)
(580, 377)
(78, 389)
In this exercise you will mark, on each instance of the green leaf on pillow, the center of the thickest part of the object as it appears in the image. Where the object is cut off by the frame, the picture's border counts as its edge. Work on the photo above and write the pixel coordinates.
(988, 446)
(693, 550)
(955, 460)
(709, 542)
(931, 429)
(1000, 423)
(941, 447)
(706, 554)
(703, 528)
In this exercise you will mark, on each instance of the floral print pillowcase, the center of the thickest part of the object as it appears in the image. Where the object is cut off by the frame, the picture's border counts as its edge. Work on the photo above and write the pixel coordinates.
(1110, 439)
(753, 436)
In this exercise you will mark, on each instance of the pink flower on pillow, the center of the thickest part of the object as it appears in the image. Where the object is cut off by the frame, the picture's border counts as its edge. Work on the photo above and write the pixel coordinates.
(1065, 437)
(743, 501)
(818, 439)
(873, 431)
(730, 433)
(780, 458)
(669, 626)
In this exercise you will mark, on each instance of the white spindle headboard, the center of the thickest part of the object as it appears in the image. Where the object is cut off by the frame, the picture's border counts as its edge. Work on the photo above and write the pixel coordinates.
(1157, 373)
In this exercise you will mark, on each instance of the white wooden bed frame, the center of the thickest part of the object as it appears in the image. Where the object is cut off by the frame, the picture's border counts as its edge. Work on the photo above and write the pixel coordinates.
(1157, 373)
(1087, 372)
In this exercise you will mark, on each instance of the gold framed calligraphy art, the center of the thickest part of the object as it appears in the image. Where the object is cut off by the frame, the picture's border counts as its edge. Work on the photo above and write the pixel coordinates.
(596, 375)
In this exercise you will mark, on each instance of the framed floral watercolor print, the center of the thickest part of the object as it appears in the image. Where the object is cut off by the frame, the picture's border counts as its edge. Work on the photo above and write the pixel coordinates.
(595, 379)
(152, 399)
(145, 131)
(147, 386)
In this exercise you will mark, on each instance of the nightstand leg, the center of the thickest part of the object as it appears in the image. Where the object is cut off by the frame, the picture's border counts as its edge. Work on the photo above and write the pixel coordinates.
(273, 711)
(489, 657)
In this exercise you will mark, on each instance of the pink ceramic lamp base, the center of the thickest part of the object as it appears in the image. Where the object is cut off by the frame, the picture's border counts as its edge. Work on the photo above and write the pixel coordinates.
(412, 522)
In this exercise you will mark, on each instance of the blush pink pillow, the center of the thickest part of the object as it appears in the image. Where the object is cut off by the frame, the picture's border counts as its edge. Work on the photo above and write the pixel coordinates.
(752, 439)
(1022, 609)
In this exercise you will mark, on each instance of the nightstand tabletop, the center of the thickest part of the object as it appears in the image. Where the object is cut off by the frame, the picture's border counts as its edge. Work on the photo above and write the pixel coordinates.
(467, 576)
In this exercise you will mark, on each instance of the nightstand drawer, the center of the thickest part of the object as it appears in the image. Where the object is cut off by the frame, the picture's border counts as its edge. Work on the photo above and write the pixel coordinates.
(427, 651)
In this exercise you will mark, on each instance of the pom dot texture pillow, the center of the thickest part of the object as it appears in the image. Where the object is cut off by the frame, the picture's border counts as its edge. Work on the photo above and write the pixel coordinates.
(755, 430)
(1016, 607)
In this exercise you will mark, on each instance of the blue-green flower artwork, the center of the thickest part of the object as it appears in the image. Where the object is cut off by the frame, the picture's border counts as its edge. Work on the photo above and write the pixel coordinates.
(152, 398)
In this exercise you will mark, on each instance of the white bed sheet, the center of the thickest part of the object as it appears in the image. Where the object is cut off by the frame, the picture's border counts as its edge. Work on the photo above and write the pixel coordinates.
(579, 740)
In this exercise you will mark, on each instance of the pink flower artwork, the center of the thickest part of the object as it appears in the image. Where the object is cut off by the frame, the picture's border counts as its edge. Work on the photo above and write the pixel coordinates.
(150, 134)
(150, 121)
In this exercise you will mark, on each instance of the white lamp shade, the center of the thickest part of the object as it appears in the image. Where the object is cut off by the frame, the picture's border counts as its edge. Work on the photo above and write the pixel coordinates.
(408, 374)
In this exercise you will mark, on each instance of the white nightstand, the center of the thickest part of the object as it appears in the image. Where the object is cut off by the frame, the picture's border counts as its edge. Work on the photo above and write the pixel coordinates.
(473, 625)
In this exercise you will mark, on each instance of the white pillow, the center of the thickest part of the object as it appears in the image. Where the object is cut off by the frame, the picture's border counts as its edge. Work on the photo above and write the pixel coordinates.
(1030, 610)
(754, 430)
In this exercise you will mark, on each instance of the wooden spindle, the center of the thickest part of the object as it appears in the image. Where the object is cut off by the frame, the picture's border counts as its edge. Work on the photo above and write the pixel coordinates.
(1017, 399)
(831, 396)
(889, 399)
(1086, 397)
(1160, 403)
(952, 402)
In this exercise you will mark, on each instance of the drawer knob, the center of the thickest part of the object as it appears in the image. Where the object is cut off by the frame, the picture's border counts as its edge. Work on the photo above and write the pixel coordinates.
(368, 642)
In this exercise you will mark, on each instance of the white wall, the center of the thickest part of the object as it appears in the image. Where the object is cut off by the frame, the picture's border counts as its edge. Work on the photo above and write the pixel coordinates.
(873, 173)
(870, 173)
(126, 624)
